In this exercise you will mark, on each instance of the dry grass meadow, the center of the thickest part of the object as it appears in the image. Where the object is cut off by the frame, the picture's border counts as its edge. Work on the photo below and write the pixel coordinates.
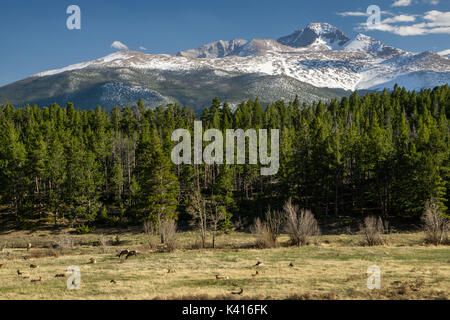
(334, 269)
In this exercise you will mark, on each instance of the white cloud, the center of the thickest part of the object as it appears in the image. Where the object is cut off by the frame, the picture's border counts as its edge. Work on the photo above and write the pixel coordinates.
(401, 3)
(433, 2)
(119, 45)
(411, 30)
(433, 22)
(445, 52)
(359, 13)
(142, 48)
(352, 14)
(437, 18)
(400, 18)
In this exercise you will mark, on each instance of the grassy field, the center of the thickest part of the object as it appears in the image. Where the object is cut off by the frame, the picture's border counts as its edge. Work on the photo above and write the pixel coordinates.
(334, 269)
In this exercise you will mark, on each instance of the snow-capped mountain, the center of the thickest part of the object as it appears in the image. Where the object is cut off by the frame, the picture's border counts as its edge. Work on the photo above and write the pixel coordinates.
(363, 43)
(445, 53)
(217, 49)
(316, 35)
(317, 62)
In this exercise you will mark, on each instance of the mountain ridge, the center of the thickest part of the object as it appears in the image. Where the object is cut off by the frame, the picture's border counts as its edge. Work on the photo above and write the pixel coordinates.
(316, 58)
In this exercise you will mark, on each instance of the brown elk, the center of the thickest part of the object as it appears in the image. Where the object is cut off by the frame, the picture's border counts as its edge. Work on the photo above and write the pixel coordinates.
(123, 253)
(132, 253)
(238, 292)
(36, 280)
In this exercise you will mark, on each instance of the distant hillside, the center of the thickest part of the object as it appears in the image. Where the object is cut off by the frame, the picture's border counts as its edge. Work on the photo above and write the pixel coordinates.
(110, 87)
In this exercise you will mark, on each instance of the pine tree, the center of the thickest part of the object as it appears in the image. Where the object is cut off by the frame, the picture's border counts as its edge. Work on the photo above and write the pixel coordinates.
(12, 163)
(159, 187)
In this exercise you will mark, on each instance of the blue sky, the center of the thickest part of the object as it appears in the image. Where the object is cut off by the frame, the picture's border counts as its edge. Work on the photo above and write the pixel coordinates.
(34, 36)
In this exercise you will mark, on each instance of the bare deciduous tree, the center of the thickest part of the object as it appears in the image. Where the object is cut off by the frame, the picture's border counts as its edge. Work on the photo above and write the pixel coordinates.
(217, 215)
(197, 208)
(373, 230)
(168, 228)
(300, 224)
(150, 232)
(435, 224)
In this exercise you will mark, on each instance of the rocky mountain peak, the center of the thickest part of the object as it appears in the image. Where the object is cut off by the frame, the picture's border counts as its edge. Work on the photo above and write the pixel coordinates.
(316, 32)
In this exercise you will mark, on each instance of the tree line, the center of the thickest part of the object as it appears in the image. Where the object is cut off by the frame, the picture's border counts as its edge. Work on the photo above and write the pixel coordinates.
(385, 153)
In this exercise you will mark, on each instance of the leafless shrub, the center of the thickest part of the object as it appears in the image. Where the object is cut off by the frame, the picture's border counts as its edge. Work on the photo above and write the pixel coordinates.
(150, 232)
(65, 242)
(103, 241)
(239, 224)
(168, 228)
(300, 224)
(274, 221)
(267, 232)
(435, 224)
(196, 244)
(116, 241)
(373, 230)
(264, 238)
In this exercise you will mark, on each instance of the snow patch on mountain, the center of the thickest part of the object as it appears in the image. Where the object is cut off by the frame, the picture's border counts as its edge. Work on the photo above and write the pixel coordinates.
(117, 56)
(445, 53)
(370, 45)
(329, 35)
(120, 93)
(217, 49)
(414, 80)
(320, 55)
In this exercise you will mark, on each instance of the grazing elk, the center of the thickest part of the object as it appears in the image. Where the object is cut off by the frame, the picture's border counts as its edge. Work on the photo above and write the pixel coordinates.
(123, 253)
(36, 280)
(238, 292)
(132, 253)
